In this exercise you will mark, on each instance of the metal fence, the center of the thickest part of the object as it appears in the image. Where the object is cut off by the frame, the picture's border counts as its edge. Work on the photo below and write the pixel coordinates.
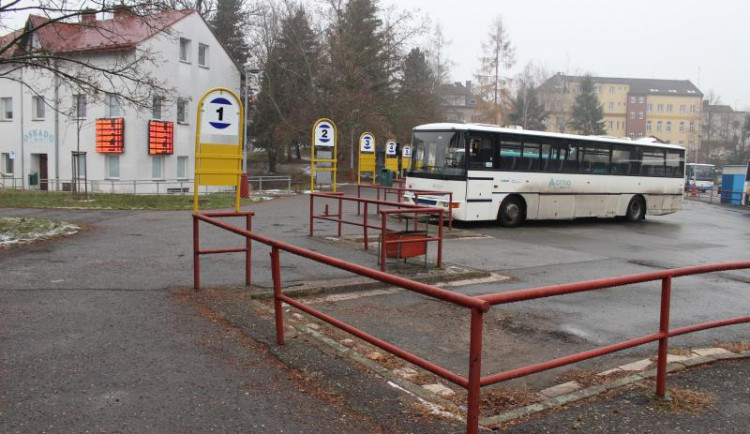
(478, 306)
(145, 186)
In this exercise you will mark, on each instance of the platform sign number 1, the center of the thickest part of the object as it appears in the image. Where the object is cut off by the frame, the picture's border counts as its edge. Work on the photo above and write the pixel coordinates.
(221, 115)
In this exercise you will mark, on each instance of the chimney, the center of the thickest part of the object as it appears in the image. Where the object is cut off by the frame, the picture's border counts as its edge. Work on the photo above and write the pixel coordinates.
(88, 17)
(122, 11)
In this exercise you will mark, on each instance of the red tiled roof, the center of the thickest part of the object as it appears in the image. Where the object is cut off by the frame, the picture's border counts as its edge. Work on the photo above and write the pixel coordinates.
(120, 33)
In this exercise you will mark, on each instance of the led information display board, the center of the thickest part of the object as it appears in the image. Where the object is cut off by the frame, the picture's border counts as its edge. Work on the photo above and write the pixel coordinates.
(160, 138)
(110, 136)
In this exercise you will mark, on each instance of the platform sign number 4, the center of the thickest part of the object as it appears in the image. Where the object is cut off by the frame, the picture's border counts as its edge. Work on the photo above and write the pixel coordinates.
(390, 148)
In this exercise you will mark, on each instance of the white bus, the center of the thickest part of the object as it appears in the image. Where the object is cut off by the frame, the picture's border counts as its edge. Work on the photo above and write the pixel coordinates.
(513, 175)
(702, 175)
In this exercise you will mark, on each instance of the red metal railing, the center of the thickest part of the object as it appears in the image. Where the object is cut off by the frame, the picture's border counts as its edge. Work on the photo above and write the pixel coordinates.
(197, 252)
(400, 210)
(479, 306)
(399, 191)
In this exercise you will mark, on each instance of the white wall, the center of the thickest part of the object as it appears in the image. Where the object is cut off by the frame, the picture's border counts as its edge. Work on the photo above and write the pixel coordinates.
(189, 80)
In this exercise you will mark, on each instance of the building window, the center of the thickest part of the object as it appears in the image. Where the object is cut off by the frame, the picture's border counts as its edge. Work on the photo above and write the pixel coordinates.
(670, 108)
(658, 126)
(6, 105)
(203, 55)
(692, 127)
(81, 165)
(669, 126)
(80, 105)
(611, 90)
(611, 125)
(648, 126)
(182, 110)
(641, 99)
(639, 136)
(640, 115)
(632, 115)
(632, 135)
(660, 108)
(632, 100)
(182, 167)
(692, 109)
(597, 90)
(650, 108)
(156, 108)
(611, 106)
(683, 108)
(157, 167)
(114, 106)
(37, 107)
(682, 127)
(184, 50)
(7, 164)
(112, 163)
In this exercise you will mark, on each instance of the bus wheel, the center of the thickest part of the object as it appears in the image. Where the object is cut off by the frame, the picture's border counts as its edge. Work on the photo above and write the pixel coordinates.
(636, 209)
(512, 212)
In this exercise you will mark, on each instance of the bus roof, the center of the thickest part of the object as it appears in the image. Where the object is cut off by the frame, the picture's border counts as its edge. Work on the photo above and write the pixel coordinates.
(496, 129)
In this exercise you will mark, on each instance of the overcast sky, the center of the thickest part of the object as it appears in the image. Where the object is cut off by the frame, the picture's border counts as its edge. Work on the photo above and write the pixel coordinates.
(706, 42)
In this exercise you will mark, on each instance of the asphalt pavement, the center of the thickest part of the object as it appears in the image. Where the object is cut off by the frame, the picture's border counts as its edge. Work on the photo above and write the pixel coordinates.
(98, 334)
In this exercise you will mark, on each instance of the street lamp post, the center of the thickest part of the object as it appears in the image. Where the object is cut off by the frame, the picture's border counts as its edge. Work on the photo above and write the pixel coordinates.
(244, 190)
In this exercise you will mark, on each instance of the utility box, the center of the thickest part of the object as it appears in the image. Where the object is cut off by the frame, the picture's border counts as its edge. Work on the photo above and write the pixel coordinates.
(732, 187)
(33, 178)
(386, 177)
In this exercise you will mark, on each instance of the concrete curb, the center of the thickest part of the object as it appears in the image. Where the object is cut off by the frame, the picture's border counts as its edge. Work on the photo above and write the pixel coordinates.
(615, 384)
(642, 371)
(352, 284)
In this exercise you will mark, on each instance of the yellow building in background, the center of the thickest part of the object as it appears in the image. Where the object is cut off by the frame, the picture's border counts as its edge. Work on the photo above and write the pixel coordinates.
(669, 110)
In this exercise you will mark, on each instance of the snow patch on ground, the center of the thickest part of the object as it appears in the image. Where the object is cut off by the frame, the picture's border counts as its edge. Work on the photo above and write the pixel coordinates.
(21, 230)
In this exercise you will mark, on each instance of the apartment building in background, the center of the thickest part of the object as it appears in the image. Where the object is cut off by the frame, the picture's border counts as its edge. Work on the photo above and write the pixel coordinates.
(458, 103)
(43, 125)
(669, 110)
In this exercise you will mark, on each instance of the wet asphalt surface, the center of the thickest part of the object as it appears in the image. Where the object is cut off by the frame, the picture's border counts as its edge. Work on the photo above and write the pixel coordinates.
(91, 339)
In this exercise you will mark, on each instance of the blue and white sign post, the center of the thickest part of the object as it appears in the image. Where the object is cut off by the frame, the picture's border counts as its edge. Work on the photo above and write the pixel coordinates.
(323, 154)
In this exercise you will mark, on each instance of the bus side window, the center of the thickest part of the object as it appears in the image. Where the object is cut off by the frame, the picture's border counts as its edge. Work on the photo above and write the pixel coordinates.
(480, 152)
(530, 156)
(510, 154)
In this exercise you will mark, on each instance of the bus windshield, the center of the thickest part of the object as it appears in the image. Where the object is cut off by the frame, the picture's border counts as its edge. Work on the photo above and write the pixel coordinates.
(703, 173)
(438, 153)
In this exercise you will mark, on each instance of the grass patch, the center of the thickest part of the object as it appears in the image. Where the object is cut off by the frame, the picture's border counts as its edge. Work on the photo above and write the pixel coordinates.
(22, 230)
(735, 347)
(49, 199)
(687, 401)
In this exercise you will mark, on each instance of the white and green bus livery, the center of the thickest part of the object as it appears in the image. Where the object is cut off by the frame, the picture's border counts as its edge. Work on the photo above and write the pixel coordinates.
(512, 175)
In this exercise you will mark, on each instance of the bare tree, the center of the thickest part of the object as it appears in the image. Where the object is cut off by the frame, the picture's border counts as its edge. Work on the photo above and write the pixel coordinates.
(45, 46)
(498, 51)
(439, 60)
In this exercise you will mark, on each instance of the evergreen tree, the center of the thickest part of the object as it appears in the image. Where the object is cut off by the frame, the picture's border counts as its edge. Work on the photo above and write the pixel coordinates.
(416, 99)
(588, 115)
(526, 110)
(288, 98)
(228, 24)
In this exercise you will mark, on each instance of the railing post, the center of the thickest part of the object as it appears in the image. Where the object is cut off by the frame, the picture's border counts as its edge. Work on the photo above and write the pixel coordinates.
(382, 241)
(475, 372)
(367, 240)
(196, 255)
(440, 240)
(276, 275)
(359, 191)
(248, 251)
(312, 197)
(340, 215)
(661, 363)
